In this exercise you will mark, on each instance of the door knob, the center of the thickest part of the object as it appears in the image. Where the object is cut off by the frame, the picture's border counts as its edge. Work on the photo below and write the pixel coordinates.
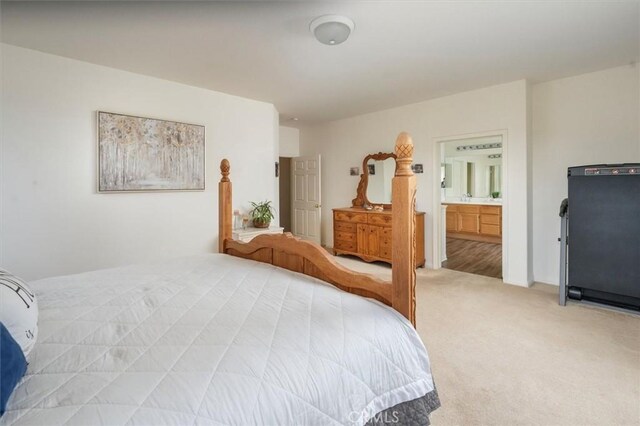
(317, 206)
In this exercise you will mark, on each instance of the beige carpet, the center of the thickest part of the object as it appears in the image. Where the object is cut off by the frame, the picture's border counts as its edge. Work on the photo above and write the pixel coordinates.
(506, 355)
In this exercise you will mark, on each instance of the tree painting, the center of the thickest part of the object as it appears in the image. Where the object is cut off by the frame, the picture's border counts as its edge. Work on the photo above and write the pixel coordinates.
(144, 154)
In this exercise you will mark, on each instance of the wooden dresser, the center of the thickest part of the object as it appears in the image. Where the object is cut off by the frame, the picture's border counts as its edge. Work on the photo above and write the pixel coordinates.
(367, 234)
(474, 222)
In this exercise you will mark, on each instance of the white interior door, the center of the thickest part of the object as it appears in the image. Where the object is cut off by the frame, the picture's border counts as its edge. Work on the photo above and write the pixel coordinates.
(305, 197)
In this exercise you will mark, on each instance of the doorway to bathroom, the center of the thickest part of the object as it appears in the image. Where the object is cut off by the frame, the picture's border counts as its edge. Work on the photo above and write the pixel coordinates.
(471, 181)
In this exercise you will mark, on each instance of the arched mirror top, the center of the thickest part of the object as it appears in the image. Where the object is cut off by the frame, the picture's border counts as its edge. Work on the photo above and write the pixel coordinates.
(374, 188)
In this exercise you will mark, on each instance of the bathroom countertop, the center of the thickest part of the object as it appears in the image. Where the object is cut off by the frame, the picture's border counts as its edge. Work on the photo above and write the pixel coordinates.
(473, 202)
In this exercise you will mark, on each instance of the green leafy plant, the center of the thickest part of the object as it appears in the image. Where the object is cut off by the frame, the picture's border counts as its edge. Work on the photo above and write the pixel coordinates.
(262, 213)
(495, 195)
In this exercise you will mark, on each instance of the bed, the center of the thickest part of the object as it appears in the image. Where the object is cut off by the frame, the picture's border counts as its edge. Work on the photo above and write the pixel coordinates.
(270, 332)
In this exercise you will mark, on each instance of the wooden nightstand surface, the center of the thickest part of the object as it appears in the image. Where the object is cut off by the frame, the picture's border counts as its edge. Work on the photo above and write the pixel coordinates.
(250, 233)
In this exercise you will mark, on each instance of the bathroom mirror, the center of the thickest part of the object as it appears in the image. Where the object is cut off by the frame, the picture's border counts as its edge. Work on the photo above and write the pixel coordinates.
(495, 180)
(473, 167)
(374, 188)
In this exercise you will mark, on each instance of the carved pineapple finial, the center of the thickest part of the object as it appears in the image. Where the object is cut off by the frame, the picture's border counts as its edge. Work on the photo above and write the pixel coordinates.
(404, 154)
(225, 167)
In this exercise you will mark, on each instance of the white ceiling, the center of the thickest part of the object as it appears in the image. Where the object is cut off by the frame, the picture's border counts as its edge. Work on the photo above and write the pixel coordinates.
(400, 52)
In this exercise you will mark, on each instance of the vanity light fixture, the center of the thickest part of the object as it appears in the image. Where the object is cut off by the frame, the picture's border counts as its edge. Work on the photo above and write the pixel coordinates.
(331, 29)
(479, 146)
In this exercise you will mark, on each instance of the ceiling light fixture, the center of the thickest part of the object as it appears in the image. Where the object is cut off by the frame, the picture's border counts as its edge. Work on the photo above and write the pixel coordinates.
(331, 29)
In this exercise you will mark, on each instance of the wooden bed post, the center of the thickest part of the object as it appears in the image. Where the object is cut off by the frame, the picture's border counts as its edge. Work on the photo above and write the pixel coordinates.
(225, 217)
(404, 238)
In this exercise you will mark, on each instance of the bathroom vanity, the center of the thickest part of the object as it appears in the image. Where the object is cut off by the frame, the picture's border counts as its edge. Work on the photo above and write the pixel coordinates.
(474, 221)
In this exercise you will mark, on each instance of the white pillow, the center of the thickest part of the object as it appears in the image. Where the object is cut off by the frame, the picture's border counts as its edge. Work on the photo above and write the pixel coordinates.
(18, 310)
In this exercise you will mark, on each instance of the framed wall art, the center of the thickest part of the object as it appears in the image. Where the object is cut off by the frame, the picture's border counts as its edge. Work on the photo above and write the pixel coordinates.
(147, 154)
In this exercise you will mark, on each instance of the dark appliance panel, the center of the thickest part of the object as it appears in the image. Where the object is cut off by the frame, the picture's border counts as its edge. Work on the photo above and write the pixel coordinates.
(604, 233)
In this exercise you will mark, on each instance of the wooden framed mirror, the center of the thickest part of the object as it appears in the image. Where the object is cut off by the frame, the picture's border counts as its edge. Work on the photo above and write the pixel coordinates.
(374, 188)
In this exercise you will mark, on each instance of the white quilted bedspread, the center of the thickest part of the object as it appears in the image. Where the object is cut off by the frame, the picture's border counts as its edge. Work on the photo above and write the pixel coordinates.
(213, 339)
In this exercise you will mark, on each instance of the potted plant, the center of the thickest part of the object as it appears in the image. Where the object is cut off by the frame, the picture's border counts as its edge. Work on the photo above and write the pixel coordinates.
(262, 213)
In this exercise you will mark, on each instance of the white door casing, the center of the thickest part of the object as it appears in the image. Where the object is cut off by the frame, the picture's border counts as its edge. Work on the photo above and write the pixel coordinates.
(436, 249)
(305, 197)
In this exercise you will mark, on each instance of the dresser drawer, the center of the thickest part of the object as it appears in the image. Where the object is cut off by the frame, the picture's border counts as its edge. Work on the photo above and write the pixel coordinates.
(380, 219)
(350, 217)
(345, 245)
(385, 233)
(345, 236)
(369, 234)
(469, 209)
(490, 219)
(346, 226)
(385, 252)
(491, 209)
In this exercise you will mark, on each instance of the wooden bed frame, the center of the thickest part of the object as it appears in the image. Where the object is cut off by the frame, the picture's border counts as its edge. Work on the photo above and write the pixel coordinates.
(309, 258)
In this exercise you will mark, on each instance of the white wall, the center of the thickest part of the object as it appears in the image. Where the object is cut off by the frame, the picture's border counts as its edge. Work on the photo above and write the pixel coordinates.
(276, 158)
(590, 118)
(498, 109)
(289, 142)
(586, 119)
(53, 221)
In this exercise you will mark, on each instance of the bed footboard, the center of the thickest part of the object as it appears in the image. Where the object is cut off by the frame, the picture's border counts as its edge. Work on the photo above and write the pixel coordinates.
(306, 257)
(309, 258)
